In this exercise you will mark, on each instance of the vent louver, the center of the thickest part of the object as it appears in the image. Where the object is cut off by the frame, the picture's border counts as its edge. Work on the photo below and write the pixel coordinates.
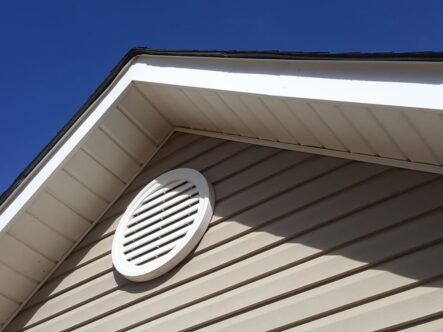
(163, 223)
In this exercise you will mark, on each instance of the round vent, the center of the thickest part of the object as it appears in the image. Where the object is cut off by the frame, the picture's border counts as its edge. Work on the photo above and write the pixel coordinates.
(162, 224)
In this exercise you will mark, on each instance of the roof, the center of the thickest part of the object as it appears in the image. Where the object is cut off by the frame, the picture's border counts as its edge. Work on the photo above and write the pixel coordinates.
(382, 107)
(428, 56)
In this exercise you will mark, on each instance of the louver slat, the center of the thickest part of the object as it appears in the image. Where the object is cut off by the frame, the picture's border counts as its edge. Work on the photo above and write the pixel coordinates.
(143, 213)
(171, 212)
(155, 238)
(167, 246)
(163, 224)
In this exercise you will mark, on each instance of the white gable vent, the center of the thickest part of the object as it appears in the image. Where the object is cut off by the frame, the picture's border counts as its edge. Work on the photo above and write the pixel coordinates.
(162, 224)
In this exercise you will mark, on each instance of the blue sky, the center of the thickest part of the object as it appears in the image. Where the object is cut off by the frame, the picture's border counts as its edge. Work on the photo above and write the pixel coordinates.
(55, 53)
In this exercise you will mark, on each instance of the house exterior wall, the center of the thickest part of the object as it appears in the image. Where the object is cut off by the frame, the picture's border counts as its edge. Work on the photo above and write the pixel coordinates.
(297, 241)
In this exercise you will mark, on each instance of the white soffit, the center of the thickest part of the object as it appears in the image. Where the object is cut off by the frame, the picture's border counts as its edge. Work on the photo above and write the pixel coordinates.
(382, 112)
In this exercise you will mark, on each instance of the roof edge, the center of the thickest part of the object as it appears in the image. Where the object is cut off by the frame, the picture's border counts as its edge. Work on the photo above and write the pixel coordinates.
(427, 56)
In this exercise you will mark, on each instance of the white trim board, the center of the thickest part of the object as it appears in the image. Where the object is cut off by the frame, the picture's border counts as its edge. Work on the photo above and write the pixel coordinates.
(411, 85)
(63, 149)
(324, 152)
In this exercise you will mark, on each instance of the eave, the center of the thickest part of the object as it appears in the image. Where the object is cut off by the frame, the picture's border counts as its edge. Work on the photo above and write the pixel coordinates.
(381, 109)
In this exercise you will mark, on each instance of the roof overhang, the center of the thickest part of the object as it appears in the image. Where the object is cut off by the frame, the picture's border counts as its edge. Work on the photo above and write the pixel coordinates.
(370, 109)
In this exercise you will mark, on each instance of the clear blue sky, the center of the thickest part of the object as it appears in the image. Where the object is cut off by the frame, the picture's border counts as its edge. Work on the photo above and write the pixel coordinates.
(55, 53)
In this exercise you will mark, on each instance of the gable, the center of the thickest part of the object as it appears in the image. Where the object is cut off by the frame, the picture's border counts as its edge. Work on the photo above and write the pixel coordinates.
(319, 237)
(381, 112)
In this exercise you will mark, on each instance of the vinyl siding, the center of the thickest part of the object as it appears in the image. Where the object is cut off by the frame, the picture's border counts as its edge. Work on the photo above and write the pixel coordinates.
(297, 241)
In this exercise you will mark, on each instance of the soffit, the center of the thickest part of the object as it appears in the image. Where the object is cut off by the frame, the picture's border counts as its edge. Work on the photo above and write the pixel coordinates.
(321, 106)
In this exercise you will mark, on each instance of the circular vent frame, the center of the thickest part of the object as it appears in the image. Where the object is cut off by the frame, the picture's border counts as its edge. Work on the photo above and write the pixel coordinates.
(162, 224)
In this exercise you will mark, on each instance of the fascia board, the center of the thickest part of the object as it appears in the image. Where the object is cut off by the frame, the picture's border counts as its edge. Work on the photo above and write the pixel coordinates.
(265, 77)
(64, 148)
(289, 79)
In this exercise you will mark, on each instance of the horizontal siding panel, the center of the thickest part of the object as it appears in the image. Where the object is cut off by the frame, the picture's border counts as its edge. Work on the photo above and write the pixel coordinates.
(268, 168)
(103, 246)
(361, 172)
(427, 324)
(194, 150)
(76, 278)
(255, 241)
(287, 226)
(392, 311)
(322, 299)
(213, 158)
(223, 161)
(296, 173)
(103, 229)
(84, 256)
(239, 162)
(175, 161)
(318, 269)
(79, 295)
(289, 203)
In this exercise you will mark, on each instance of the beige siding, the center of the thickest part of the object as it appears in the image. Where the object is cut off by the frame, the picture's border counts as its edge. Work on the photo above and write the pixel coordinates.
(297, 241)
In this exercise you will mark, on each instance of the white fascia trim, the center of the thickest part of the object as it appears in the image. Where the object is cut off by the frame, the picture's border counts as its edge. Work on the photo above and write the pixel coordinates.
(292, 79)
(266, 77)
(324, 152)
(67, 146)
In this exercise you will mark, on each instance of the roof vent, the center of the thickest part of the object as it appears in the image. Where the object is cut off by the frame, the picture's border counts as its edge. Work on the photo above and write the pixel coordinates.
(162, 224)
